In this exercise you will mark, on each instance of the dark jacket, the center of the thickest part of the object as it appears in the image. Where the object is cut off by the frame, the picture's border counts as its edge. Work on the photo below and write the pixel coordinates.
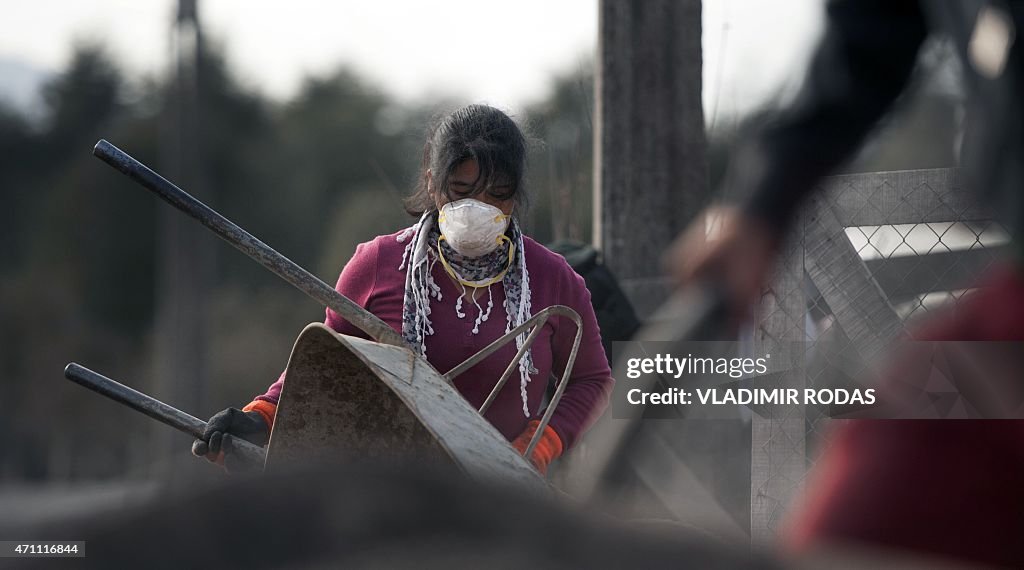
(861, 66)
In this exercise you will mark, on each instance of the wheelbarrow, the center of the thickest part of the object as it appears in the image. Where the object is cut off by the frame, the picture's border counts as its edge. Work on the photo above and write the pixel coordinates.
(348, 396)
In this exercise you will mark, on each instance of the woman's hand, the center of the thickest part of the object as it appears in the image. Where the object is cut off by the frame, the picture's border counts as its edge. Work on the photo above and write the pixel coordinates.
(547, 449)
(214, 446)
(727, 249)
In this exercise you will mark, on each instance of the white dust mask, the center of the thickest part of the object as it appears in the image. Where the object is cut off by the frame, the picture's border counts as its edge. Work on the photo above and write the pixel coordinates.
(472, 227)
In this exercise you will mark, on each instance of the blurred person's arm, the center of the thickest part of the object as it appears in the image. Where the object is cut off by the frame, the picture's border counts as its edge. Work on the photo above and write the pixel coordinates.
(861, 65)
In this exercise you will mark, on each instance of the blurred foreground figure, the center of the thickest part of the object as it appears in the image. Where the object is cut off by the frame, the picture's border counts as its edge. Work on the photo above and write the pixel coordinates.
(372, 516)
(951, 488)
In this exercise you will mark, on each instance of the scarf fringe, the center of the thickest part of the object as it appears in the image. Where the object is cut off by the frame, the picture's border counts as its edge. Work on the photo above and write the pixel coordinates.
(418, 261)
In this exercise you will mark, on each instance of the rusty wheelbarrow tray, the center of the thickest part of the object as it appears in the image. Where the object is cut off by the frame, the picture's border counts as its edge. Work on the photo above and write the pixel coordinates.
(352, 397)
(355, 396)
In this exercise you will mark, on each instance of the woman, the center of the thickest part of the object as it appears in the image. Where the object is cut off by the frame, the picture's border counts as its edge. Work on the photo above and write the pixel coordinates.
(458, 279)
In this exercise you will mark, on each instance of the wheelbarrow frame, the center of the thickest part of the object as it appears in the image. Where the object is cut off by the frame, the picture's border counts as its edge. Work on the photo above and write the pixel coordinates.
(408, 377)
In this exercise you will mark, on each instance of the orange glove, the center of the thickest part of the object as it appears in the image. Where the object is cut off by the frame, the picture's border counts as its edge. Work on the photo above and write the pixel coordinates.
(265, 409)
(548, 448)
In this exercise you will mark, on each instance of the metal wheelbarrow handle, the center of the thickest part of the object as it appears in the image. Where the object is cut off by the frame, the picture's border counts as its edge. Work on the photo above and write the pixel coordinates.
(248, 244)
(249, 453)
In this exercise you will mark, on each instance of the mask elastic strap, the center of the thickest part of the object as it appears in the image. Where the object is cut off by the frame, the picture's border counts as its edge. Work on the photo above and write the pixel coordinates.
(477, 284)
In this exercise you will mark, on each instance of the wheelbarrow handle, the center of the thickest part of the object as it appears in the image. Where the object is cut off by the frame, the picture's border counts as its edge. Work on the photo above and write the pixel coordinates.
(157, 410)
(248, 244)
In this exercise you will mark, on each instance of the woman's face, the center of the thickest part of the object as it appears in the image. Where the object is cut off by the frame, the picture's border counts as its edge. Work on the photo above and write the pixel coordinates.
(461, 184)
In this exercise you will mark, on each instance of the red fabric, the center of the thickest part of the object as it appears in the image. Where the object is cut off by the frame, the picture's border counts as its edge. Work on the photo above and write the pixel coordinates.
(951, 488)
(372, 280)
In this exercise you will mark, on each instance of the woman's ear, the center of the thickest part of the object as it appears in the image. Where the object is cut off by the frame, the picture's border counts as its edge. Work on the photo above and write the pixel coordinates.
(431, 190)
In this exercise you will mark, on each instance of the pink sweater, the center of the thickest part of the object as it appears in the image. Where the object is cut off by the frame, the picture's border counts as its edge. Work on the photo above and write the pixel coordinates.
(372, 280)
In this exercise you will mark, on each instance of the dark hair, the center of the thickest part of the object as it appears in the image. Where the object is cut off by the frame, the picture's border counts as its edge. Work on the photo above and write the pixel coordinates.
(475, 131)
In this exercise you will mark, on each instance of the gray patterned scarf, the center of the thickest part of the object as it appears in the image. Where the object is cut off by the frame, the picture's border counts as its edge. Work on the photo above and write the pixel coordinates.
(418, 261)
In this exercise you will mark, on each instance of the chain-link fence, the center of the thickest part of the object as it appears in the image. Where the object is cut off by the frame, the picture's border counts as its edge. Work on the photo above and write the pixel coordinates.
(872, 253)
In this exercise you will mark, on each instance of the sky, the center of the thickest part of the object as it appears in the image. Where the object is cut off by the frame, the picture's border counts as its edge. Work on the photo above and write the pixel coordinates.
(503, 53)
